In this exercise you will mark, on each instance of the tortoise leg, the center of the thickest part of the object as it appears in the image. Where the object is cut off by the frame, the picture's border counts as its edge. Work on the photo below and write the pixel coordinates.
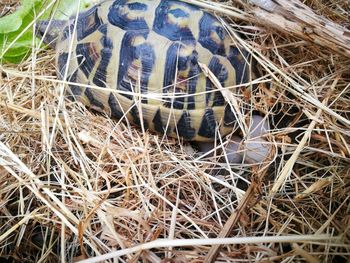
(49, 30)
(256, 148)
(259, 126)
(233, 154)
(253, 150)
(231, 150)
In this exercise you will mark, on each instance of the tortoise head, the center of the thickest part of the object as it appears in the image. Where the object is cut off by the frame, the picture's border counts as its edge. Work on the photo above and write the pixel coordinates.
(48, 30)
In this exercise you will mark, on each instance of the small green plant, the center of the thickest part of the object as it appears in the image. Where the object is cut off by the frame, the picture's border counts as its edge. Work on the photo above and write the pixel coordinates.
(16, 29)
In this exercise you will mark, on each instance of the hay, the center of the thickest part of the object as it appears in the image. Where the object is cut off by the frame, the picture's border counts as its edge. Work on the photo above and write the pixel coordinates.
(8, 6)
(76, 184)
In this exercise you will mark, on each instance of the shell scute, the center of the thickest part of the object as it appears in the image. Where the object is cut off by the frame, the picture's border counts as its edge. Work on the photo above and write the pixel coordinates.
(87, 56)
(184, 127)
(223, 72)
(74, 90)
(128, 16)
(137, 62)
(229, 116)
(181, 76)
(135, 113)
(239, 60)
(208, 125)
(212, 35)
(172, 20)
(88, 23)
(158, 123)
(100, 76)
(115, 107)
(62, 60)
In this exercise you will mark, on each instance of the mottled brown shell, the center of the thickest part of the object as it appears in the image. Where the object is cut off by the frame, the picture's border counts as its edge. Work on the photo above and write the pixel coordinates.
(144, 58)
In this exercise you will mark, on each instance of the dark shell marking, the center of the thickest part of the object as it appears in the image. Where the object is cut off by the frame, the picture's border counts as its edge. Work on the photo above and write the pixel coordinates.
(88, 23)
(208, 124)
(128, 16)
(172, 20)
(153, 47)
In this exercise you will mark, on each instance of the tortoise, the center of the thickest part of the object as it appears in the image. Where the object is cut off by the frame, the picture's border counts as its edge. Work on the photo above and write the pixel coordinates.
(145, 55)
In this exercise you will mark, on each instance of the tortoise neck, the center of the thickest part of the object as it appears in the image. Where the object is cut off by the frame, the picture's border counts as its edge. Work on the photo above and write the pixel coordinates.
(48, 30)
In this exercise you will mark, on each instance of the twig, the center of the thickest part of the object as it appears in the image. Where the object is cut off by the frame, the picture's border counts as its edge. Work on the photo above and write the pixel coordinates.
(294, 17)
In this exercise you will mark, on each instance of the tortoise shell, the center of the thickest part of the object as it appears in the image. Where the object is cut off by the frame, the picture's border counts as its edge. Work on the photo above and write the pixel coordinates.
(144, 55)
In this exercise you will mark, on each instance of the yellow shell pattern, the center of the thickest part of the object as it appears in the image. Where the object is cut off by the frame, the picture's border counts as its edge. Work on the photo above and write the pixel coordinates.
(143, 56)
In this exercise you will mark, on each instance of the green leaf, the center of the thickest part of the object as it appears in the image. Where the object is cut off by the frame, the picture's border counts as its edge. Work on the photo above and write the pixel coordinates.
(14, 24)
(19, 49)
(10, 23)
(13, 21)
(66, 8)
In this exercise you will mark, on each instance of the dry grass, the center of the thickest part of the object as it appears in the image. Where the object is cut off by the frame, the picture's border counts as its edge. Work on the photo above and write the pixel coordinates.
(8, 6)
(75, 184)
